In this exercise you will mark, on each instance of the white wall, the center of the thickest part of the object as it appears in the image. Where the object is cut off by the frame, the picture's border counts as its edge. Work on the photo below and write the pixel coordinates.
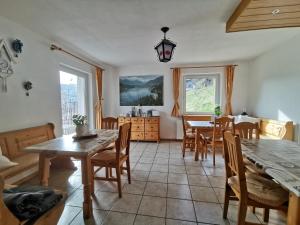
(41, 66)
(275, 83)
(168, 123)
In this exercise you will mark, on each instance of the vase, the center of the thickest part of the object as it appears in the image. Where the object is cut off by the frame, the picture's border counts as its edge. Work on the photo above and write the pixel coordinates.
(81, 130)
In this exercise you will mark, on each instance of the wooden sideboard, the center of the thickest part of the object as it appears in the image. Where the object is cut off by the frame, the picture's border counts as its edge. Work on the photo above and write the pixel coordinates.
(143, 128)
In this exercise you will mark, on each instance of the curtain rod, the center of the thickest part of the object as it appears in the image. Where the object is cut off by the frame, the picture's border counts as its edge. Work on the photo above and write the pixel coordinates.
(54, 47)
(196, 67)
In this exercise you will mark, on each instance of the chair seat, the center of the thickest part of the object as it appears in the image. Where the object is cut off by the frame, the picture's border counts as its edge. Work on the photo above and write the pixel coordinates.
(261, 190)
(109, 147)
(190, 135)
(253, 169)
(107, 158)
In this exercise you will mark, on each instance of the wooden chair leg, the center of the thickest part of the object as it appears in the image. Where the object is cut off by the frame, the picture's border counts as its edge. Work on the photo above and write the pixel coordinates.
(92, 180)
(214, 155)
(183, 148)
(226, 201)
(107, 175)
(118, 171)
(128, 171)
(253, 210)
(242, 212)
(266, 215)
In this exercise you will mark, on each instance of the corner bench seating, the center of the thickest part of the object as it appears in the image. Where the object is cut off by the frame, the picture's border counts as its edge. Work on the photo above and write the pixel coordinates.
(12, 143)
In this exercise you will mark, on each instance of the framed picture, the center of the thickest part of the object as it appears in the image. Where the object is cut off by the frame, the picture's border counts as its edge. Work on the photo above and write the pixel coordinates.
(141, 90)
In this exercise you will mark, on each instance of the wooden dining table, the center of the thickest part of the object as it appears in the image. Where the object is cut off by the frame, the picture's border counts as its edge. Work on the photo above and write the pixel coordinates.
(200, 127)
(280, 159)
(83, 149)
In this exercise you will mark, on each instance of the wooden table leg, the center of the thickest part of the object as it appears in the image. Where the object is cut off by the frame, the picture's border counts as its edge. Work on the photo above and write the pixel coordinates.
(197, 145)
(44, 168)
(86, 181)
(293, 210)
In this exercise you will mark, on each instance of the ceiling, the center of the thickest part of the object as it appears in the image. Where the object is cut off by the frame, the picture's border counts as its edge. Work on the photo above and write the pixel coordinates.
(124, 32)
(257, 14)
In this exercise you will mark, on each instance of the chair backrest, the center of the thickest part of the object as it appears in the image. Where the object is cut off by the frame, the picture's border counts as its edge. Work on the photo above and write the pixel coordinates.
(222, 124)
(123, 141)
(184, 126)
(233, 157)
(109, 123)
(247, 130)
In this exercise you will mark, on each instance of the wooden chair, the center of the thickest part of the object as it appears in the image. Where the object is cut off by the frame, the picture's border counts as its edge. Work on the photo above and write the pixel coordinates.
(50, 217)
(189, 137)
(109, 123)
(220, 124)
(249, 189)
(247, 130)
(114, 159)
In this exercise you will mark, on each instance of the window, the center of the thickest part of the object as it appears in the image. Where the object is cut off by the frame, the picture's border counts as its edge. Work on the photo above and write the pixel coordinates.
(73, 99)
(201, 93)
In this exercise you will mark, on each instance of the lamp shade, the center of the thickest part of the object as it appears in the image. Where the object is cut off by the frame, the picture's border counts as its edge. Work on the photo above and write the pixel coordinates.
(165, 48)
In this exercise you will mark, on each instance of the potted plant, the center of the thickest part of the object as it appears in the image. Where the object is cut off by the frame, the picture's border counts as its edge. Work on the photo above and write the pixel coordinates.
(218, 111)
(80, 122)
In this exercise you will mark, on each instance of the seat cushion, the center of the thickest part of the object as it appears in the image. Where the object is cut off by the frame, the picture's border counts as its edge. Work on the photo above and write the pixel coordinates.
(107, 158)
(261, 190)
(24, 162)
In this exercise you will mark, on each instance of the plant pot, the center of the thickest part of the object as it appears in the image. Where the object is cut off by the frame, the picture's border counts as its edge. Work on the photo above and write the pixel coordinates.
(81, 130)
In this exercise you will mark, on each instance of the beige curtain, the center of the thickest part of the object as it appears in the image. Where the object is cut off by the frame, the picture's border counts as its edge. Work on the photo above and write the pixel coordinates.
(98, 106)
(229, 87)
(176, 81)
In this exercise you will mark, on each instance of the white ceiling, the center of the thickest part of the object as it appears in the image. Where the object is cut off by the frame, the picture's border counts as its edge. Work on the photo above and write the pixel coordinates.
(124, 32)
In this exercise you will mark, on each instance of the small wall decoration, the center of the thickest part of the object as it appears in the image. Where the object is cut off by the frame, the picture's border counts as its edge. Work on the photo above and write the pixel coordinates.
(141, 90)
(6, 61)
(17, 46)
(27, 85)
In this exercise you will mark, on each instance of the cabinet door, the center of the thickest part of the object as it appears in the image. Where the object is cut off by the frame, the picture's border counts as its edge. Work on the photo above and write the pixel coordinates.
(151, 127)
(137, 120)
(152, 120)
(137, 136)
(151, 136)
(137, 127)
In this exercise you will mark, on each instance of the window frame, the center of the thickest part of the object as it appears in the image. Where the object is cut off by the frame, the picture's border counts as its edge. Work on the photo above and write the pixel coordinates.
(217, 76)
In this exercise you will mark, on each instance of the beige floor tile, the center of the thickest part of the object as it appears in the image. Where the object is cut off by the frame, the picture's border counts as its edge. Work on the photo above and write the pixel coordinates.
(209, 213)
(179, 222)
(195, 170)
(198, 180)
(153, 206)
(139, 175)
(148, 220)
(159, 168)
(233, 215)
(203, 194)
(275, 218)
(104, 200)
(177, 178)
(161, 161)
(158, 177)
(97, 218)
(211, 171)
(146, 160)
(179, 191)
(116, 218)
(136, 187)
(175, 156)
(68, 215)
(217, 181)
(177, 169)
(129, 203)
(177, 162)
(180, 209)
(156, 189)
(143, 166)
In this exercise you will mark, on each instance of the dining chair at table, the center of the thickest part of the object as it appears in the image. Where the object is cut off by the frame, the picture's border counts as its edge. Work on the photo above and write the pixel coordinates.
(248, 188)
(114, 159)
(220, 124)
(189, 137)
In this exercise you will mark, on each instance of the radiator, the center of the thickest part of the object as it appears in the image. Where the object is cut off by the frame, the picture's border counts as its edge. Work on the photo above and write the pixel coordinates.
(179, 130)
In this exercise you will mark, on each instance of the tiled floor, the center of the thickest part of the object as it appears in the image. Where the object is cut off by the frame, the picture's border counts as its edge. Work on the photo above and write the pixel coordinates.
(165, 190)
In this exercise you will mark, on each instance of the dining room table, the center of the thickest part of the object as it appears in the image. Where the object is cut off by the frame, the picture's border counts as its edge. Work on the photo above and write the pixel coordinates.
(200, 127)
(280, 159)
(81, 149)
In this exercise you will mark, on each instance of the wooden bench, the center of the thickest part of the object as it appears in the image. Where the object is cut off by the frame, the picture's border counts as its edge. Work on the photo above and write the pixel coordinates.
(276, 129)
(50, 217)
(12, 142)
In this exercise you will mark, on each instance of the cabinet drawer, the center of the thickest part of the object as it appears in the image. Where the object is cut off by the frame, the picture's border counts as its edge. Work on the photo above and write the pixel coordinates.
(137, 120)
(127, 120)
(151, 135)
(151, 127)
(137, 127)
(152, 120)
(121, 119)
(137, 136)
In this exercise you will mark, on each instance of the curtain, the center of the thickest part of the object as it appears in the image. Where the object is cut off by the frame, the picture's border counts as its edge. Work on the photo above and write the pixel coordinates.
(98, 106)
(229, 88)
(176, 81)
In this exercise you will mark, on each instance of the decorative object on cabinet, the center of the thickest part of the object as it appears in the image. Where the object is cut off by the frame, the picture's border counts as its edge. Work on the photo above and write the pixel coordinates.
(6, 61)
(141, 90)
(17, 46)
(165, 48)
(143, 128)
(27, 85)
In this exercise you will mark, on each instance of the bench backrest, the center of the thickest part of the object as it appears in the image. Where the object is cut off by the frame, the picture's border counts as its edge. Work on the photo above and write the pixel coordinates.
(198, 117)
(277, 129)
(12, 142)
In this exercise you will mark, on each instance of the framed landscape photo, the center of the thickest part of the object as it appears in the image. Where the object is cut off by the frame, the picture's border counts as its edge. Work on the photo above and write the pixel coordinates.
(146, 90)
